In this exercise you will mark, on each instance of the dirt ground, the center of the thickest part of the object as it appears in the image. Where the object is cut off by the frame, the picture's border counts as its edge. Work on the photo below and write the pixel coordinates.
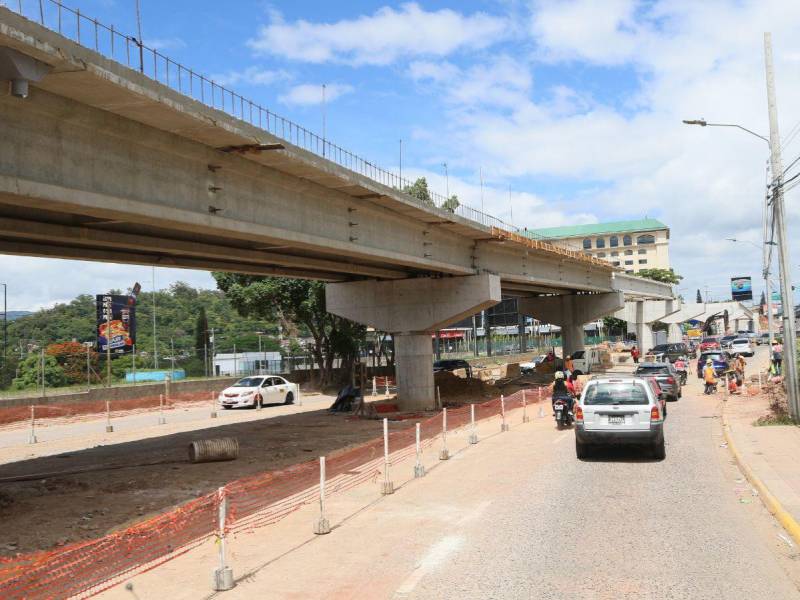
(132, 481)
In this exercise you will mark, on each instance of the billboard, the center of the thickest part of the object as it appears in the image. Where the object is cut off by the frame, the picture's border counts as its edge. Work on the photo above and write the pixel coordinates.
(116, 323)
(741, 288)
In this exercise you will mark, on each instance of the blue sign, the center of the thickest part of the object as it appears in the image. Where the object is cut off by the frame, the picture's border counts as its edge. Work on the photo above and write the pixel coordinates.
(741, 288)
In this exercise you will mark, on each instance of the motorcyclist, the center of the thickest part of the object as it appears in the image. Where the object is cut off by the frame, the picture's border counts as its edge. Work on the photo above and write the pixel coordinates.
(681, 366)
(710, 377)
(560, 391)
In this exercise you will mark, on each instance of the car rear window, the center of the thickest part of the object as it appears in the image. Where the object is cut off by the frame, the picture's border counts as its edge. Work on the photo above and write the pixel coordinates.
(661, 348)
(652, 371)
(616, 393)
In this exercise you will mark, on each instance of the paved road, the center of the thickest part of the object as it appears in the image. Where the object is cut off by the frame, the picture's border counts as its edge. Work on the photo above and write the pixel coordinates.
(619, 527)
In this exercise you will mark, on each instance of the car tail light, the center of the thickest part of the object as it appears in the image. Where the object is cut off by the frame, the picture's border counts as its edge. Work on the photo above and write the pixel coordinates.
(655, 414)
(671, 380)
(578, 413)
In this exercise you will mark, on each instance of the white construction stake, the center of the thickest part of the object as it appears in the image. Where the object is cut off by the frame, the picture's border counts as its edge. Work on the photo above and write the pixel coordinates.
(32, 437)
(503, 424)
(473, 435)
(419, 468)
(525, 418)
(443, 453)
(161, 419)
(387, 487)
(223, 575)
(322, 526)
(213, 406)
(109, 426)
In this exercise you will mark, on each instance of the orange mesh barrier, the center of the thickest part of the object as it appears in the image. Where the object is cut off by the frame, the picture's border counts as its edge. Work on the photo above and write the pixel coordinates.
(87, 568)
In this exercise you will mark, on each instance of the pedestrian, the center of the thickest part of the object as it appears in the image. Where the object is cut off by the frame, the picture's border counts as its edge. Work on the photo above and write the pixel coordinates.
(710, 378)
(739, 365)
(568, 366)
(635, 354)
(777, 356)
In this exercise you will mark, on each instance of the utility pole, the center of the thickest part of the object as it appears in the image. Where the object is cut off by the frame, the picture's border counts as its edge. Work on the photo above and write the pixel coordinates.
(139, 33)
(778, 214)
(766, 256)
(447, 181)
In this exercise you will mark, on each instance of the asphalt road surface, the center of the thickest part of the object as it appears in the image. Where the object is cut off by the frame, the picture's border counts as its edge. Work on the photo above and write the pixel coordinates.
(618, 526)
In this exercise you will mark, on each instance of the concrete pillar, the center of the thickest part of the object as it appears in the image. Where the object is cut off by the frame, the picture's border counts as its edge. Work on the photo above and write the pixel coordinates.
(412, 310)
(571, 312)
(522, 334)
(572, 338)
(644, 336)
(413, 368)
(642, 314)
(674, 334)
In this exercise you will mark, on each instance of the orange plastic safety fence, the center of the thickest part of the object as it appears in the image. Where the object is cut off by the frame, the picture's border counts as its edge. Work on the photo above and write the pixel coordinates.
(87, 568)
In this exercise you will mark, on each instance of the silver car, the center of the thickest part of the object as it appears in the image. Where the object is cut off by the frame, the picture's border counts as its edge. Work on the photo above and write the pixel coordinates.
(619, 411)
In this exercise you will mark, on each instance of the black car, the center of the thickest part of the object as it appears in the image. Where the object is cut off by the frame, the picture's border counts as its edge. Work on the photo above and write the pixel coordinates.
(672, 352)
(452, 364)
(666, 376)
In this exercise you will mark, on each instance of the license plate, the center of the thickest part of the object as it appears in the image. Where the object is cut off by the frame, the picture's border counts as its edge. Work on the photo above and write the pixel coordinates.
(558, 414)
(616, 420)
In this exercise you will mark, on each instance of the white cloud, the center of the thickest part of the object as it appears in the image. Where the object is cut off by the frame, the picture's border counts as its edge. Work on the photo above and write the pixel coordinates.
(308, 94)
(380, 38)
(252, 76)
(164, 44)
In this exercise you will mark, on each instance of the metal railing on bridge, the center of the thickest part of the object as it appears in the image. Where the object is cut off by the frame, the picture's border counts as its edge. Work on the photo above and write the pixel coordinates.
(127, 50)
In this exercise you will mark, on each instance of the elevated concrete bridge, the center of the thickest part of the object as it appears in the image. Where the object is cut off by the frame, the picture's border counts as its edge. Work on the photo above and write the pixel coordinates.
(100, 162)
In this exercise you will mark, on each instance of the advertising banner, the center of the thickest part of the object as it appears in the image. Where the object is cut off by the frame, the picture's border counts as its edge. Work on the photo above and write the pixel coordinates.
(741, 288)
(116, 323)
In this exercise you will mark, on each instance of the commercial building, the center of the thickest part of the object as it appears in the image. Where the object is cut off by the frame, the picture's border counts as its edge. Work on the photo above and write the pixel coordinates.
(629, 245)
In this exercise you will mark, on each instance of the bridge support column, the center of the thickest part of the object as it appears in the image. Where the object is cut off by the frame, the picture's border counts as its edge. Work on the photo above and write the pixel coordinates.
(642, 314)
(411, 310)
(674, 334)
(570, 312)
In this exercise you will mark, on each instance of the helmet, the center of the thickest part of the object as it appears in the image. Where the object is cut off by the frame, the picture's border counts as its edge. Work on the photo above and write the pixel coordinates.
(559, 374)
(567, 357)
(709, 361)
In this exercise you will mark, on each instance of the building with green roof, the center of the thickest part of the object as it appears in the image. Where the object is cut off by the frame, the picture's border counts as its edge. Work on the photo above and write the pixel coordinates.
(629, 245)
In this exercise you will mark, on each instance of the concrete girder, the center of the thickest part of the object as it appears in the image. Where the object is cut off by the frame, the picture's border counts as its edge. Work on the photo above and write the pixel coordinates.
(571, 312)
(687, 312)
(412, 305)
(411, 309)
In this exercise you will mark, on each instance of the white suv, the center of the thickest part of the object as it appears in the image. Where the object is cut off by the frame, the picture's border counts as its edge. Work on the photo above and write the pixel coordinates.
(741, 346)
(619, 410)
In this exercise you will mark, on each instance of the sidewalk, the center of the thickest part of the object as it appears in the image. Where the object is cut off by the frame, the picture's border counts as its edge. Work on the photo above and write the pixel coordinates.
(769, 451)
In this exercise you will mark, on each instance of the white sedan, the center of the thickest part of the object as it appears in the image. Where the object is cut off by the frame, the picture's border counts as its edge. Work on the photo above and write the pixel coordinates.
(259, 390)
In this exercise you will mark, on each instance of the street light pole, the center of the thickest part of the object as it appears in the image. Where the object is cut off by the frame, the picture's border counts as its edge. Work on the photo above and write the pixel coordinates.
(787, 296)
(446, 181)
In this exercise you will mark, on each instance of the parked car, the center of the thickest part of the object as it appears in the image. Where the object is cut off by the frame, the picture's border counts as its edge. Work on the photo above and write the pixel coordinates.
(257, 391)
(671, 352)
(658, 392)
(617, 410)
(530, 366)
(762, 339)
(453, 364)
(741, 346)
(709, 343)
(720, 361)
(668, 379)
(725, 341)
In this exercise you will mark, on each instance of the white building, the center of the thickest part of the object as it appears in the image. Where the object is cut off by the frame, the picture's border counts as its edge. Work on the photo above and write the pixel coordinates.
(247, 363)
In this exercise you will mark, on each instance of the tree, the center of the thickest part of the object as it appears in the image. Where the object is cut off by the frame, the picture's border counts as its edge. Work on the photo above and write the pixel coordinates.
(297, 302)
(419, 190)
(451, 204)
(201, 332)
(612, 324)
(30, 371)
(71, 357)
(662, 275)
(699, 299)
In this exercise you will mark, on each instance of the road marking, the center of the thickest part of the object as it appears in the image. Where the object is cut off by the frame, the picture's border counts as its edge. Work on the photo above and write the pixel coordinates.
(435, 556)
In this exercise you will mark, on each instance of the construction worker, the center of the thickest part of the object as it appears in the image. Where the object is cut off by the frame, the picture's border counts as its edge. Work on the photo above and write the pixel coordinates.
(635, 354)
(738, 367)
(710, 377)
(568, 366)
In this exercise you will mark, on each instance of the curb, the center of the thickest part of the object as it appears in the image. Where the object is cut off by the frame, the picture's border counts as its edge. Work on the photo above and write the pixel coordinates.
(771, 503)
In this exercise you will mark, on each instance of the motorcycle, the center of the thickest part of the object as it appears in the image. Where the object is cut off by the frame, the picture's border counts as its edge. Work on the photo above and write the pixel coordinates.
(563, 414)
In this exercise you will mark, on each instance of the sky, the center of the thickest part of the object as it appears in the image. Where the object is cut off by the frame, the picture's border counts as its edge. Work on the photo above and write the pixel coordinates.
(570, 110)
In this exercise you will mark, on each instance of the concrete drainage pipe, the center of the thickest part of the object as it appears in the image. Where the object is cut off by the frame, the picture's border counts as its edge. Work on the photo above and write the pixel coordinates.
(201, 451)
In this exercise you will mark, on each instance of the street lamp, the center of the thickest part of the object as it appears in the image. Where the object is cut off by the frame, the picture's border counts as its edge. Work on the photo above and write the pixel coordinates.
(778, 211)
(446, 181)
